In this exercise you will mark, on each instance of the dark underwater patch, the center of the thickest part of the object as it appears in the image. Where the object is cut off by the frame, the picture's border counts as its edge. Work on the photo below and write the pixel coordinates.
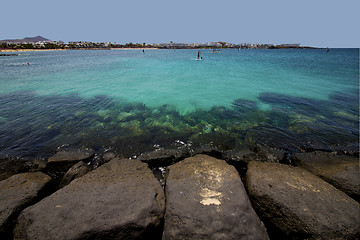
(32, 125)
(298, 104)
(348, 101)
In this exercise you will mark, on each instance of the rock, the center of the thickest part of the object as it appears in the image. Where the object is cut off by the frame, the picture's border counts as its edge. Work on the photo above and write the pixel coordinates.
(11, 166)
(8, 55)
(266, 154)
(208, 150)
(66, 156)
(205, 199)
(76, 171)
(236, 156)
(339, 170)
(346, 148)
(119, 200)
(16, 193)
(159, 173)
(108, 156)
(101, 158)
(295, 204)
(237, 159)
(163, 157)
(59, 163)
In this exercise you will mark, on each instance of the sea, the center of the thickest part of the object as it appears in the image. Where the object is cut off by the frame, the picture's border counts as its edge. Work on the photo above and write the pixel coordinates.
(134, 101)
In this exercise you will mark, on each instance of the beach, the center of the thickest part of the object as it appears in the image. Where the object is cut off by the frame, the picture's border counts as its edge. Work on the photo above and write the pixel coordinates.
(61, 49)
(29, 50)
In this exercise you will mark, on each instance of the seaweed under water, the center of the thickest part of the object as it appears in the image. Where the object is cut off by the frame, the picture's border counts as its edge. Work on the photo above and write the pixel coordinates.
(33, 125)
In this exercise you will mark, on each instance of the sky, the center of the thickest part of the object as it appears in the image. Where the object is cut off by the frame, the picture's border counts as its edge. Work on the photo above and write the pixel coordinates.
(317, 23)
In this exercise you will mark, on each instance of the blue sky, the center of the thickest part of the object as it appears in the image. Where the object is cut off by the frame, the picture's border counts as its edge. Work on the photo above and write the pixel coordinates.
(320, 23)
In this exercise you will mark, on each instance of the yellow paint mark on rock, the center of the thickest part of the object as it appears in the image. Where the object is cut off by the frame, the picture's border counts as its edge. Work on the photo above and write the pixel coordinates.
(304, 187)
(209, 201)
(297, 187)
(210, 197)
(210, 177)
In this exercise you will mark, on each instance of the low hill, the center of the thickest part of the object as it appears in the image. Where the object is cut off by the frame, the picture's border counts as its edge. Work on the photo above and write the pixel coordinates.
(27, 39)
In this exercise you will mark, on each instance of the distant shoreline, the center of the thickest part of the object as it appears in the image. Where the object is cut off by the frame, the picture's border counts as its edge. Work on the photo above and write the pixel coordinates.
(133, 48)
(61, 49)
(30, 50)
(128, 48)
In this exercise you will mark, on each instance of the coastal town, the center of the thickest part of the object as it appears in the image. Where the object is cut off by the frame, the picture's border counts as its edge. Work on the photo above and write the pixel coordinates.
(39, 42)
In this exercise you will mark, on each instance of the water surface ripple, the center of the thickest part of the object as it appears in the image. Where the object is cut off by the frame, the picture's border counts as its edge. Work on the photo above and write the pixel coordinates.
(129, 101)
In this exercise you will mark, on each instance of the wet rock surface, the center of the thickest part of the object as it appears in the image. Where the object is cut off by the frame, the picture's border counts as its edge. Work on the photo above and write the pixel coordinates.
(119, 200)
(16, 193)
(63, 160)
(108, 156)
(76, 171)
(163, 157)
(295, 204)
(11, 166)
(66, 156)
(207, 200)
(236, 156)
(339, 170)
(266, 154)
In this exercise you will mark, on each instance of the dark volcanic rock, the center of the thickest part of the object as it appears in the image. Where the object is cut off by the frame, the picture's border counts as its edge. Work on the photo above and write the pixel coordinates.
(8, 54)
(295, 204)
(205, 199)
(164, 157)
(119, 200)
(12, 166)
(16, 193)
(238, 159)
(76, 171)
(108, 156)
(59, 163)
(339, 170)
(66, 156)
(208, 150)
(236, 156)
(266, 154)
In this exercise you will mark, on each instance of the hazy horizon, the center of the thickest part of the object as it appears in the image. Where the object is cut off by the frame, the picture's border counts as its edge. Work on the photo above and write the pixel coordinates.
(310, 23)
(140, 42)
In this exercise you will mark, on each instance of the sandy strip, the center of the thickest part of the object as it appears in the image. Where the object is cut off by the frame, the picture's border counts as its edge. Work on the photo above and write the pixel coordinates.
(60, 49)
(29, 50)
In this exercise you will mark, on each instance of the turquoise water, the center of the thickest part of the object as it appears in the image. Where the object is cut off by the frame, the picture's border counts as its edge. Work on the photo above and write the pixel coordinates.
(129, 101)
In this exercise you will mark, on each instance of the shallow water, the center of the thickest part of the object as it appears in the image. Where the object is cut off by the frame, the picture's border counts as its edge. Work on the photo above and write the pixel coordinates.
(132, 102)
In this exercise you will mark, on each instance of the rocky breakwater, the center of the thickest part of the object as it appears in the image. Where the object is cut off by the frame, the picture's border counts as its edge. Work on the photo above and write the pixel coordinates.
(16, 193)
(205, 199)
(339, 170)
(202, 197)
(296, 204)
(58, 164)
(119, 200)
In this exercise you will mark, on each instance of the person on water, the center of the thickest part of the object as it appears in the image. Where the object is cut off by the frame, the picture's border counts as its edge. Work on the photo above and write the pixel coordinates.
(199, 55)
